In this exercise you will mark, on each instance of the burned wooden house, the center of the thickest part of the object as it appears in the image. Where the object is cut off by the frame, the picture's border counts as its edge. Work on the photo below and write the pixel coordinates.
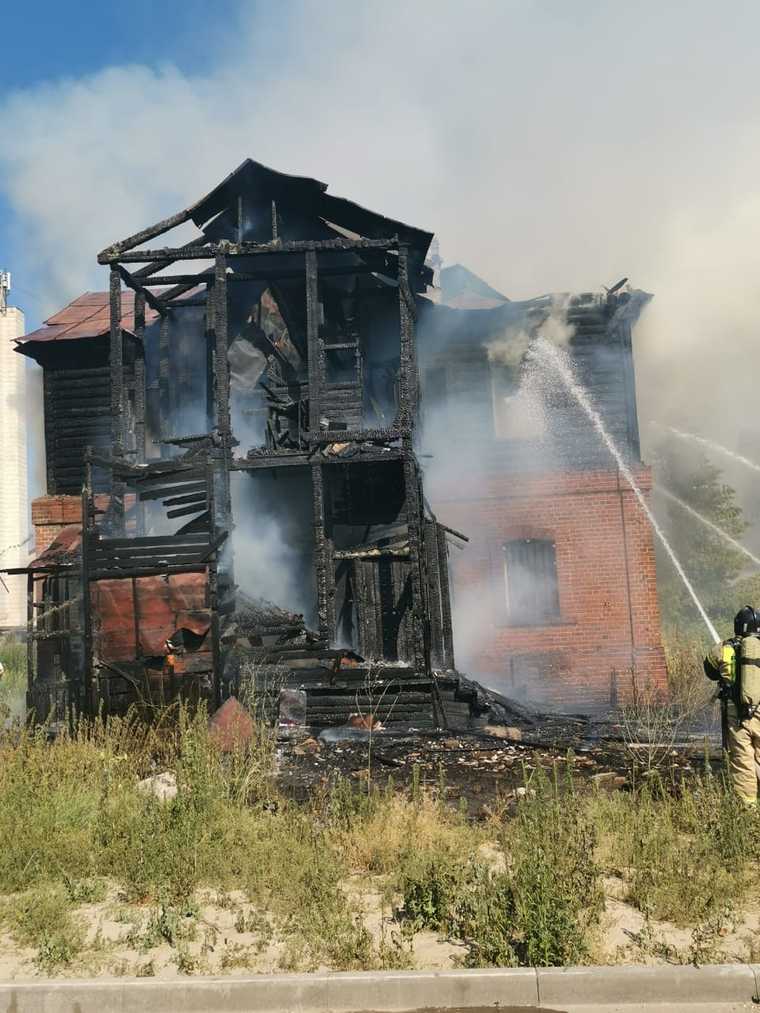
(255, 385)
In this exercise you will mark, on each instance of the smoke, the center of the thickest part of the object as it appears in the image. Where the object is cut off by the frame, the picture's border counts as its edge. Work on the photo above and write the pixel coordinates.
(272, 539)
(496, 135)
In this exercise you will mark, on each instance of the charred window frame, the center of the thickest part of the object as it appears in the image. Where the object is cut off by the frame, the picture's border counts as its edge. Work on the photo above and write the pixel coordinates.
(531, 588)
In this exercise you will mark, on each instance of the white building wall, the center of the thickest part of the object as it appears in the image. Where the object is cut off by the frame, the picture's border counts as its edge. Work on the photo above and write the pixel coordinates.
(15, 522)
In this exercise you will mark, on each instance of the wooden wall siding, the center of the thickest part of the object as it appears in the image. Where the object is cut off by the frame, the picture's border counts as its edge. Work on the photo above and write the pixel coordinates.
(77, 415)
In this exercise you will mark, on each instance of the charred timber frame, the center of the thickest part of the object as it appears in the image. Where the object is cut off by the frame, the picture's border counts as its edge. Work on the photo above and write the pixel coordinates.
(426, 552)
(209, 251)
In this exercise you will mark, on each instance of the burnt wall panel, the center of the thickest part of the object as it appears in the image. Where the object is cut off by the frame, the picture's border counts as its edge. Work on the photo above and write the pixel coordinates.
(77, 415)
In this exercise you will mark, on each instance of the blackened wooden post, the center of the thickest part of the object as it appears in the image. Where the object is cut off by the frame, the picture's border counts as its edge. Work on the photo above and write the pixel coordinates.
(407, 356)
(433, 581)
(118, 429)
(210, 357)
(406, 419)
(85, 701)
(323, 563)
(443, 572)
(414, 529)
(314, 354)
(164, 390)
(117, 365)
(140, 397)
(217, 658)
(221, 365)
(221, 577)
(140, 377)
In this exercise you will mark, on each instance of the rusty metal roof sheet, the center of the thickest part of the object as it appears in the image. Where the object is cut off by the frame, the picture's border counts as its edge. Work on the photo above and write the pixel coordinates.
(64, 548)
(88, 317)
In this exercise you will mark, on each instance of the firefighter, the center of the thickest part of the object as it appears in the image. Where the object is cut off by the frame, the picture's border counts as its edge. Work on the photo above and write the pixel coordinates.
(735, 665)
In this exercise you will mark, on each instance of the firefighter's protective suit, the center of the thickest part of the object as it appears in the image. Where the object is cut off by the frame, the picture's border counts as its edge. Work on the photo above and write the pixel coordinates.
(735, 665)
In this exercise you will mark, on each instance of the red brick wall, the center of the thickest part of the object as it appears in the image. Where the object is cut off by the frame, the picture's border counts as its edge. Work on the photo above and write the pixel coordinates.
(50, 514)
(609, 623)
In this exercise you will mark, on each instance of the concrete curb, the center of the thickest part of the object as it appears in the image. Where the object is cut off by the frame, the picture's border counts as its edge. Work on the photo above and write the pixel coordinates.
(389, 991)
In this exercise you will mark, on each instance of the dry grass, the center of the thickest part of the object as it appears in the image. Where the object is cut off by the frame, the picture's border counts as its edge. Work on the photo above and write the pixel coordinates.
(291, 884)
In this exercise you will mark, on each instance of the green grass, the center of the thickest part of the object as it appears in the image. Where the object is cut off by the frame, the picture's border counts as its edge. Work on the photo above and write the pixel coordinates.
(13, 681)
(523, 888)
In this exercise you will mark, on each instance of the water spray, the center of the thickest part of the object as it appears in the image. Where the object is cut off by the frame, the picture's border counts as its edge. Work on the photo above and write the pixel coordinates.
(709, 445)
(545, 352)
(708, 524)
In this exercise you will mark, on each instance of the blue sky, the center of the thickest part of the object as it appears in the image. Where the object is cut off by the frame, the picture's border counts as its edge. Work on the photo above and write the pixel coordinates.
(68, 42)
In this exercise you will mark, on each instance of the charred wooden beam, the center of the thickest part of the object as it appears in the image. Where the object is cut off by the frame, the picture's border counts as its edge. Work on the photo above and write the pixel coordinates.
(199, 507)
(162, 492)
(447, 629)
(140, 300)
(163, 471)
(453, 531)
(128, 564)
(199, 539)
(209, 251)
(356, 435)
(191, 497)
(217, 650)
(408, 380)
(315, 352)
(131, 282)
(88, 523)
(434, 610)
(163, 377)
(117, 364)
(414, 526)
(322, 558)
(221, 365)
(187, 303)
(188, 281)
(113, 252)
(104, 550)
(156, 571)
(369, 554)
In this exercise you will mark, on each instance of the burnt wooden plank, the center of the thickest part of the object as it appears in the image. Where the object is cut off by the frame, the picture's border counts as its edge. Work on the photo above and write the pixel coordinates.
(190, 498)
(149, 540)
(121, 574)
(126, 558)
(163, 492)
(187, 511)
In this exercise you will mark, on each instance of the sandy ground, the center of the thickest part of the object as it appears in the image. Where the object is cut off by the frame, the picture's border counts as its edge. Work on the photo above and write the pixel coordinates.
(227, 937)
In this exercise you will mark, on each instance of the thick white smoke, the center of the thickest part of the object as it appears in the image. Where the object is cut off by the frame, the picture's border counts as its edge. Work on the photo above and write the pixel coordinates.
(488, 123)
